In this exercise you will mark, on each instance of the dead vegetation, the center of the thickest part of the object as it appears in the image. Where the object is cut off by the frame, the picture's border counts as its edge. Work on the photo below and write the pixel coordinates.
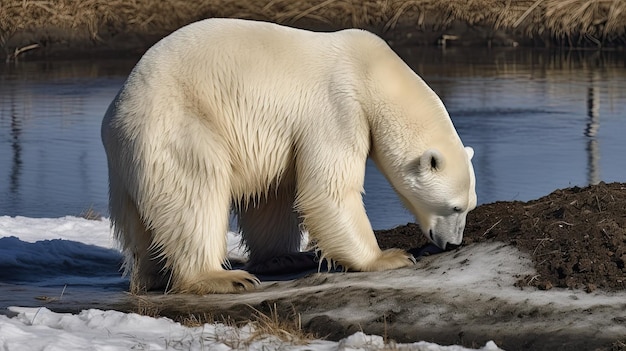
(282, 326)
(101, 22)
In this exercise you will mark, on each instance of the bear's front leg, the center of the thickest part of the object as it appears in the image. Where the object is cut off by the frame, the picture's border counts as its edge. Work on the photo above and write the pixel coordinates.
(334, 214)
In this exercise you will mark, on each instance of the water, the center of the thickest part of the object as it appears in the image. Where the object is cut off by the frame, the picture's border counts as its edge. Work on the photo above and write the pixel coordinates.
(537, 120)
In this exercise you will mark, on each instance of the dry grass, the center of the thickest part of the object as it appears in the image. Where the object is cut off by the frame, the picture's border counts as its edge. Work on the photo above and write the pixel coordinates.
(96, 20)
(91, 214)
(285, 327)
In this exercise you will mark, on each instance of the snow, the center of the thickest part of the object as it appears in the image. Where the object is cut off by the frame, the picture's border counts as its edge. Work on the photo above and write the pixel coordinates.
(40, 328)
(37, 252)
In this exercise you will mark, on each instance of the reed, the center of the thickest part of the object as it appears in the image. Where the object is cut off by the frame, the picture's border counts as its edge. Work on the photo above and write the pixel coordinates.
(597, 21)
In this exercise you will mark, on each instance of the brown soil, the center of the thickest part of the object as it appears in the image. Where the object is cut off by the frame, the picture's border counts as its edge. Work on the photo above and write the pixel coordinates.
(576, 237)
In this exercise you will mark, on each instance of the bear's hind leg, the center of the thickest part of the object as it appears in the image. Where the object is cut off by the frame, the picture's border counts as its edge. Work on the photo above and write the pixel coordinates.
(194, 249)
(188, 219)
(145, 270)
(270, 227)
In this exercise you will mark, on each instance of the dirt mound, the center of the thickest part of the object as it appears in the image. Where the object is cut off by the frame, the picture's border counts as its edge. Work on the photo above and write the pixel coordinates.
(575, 236)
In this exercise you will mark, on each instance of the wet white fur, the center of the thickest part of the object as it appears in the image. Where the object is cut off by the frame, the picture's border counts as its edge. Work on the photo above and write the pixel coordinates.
(277, 124)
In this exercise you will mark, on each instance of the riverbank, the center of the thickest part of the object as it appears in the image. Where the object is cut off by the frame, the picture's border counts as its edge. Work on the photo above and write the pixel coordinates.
(70, 28)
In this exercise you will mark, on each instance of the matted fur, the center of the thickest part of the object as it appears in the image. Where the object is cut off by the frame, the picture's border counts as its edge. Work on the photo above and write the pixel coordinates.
(275, 123)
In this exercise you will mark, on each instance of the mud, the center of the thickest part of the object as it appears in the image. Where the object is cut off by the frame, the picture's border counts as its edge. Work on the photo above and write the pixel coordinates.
(576, 237)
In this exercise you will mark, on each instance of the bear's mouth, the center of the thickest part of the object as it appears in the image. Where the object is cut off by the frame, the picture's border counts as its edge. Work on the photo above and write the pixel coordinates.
(447, 246)
(442, 244)
(430, 249)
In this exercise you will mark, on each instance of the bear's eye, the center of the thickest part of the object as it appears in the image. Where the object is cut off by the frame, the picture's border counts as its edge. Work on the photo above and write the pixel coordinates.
(457, 209)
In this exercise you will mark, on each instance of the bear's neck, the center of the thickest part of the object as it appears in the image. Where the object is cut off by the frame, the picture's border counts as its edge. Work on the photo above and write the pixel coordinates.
(405, 116)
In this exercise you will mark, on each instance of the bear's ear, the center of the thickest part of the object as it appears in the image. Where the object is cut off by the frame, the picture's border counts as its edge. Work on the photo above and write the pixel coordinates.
(430, 161)
(470, 152)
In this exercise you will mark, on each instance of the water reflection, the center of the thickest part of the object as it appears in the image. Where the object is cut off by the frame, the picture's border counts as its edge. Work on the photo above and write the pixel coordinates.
(591, 131)
(51, 158)
(16, 147)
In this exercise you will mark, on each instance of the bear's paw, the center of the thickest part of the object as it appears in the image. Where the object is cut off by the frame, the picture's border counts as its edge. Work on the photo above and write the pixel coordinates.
(390, 259)
(218, 282)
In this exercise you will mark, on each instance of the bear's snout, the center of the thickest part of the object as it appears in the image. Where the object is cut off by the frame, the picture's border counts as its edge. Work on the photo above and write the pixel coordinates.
(442, 242)
(437, 240)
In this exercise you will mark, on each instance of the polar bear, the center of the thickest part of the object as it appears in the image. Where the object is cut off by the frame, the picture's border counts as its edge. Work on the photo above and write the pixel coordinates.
(275, 124)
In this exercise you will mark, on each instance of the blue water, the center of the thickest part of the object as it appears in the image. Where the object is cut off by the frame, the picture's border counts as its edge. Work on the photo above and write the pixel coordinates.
(537, 120)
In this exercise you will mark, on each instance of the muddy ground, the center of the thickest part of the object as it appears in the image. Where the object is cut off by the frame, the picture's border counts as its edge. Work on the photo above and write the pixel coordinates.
(576, 237)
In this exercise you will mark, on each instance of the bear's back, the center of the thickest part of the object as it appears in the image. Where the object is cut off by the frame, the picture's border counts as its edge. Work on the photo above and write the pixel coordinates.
(242, 45)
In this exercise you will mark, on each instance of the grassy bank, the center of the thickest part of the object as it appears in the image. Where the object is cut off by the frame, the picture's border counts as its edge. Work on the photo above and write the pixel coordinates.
(120, 25)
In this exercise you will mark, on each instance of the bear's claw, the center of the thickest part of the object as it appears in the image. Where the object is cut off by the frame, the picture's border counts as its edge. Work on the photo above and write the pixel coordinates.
(412, 260)
(247, 284)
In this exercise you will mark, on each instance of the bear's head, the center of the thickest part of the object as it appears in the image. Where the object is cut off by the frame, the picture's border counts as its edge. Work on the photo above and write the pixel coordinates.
(439, 188)
(415, 145)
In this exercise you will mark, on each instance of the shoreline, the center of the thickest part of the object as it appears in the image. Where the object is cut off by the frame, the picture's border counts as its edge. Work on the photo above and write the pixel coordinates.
(72, 28)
